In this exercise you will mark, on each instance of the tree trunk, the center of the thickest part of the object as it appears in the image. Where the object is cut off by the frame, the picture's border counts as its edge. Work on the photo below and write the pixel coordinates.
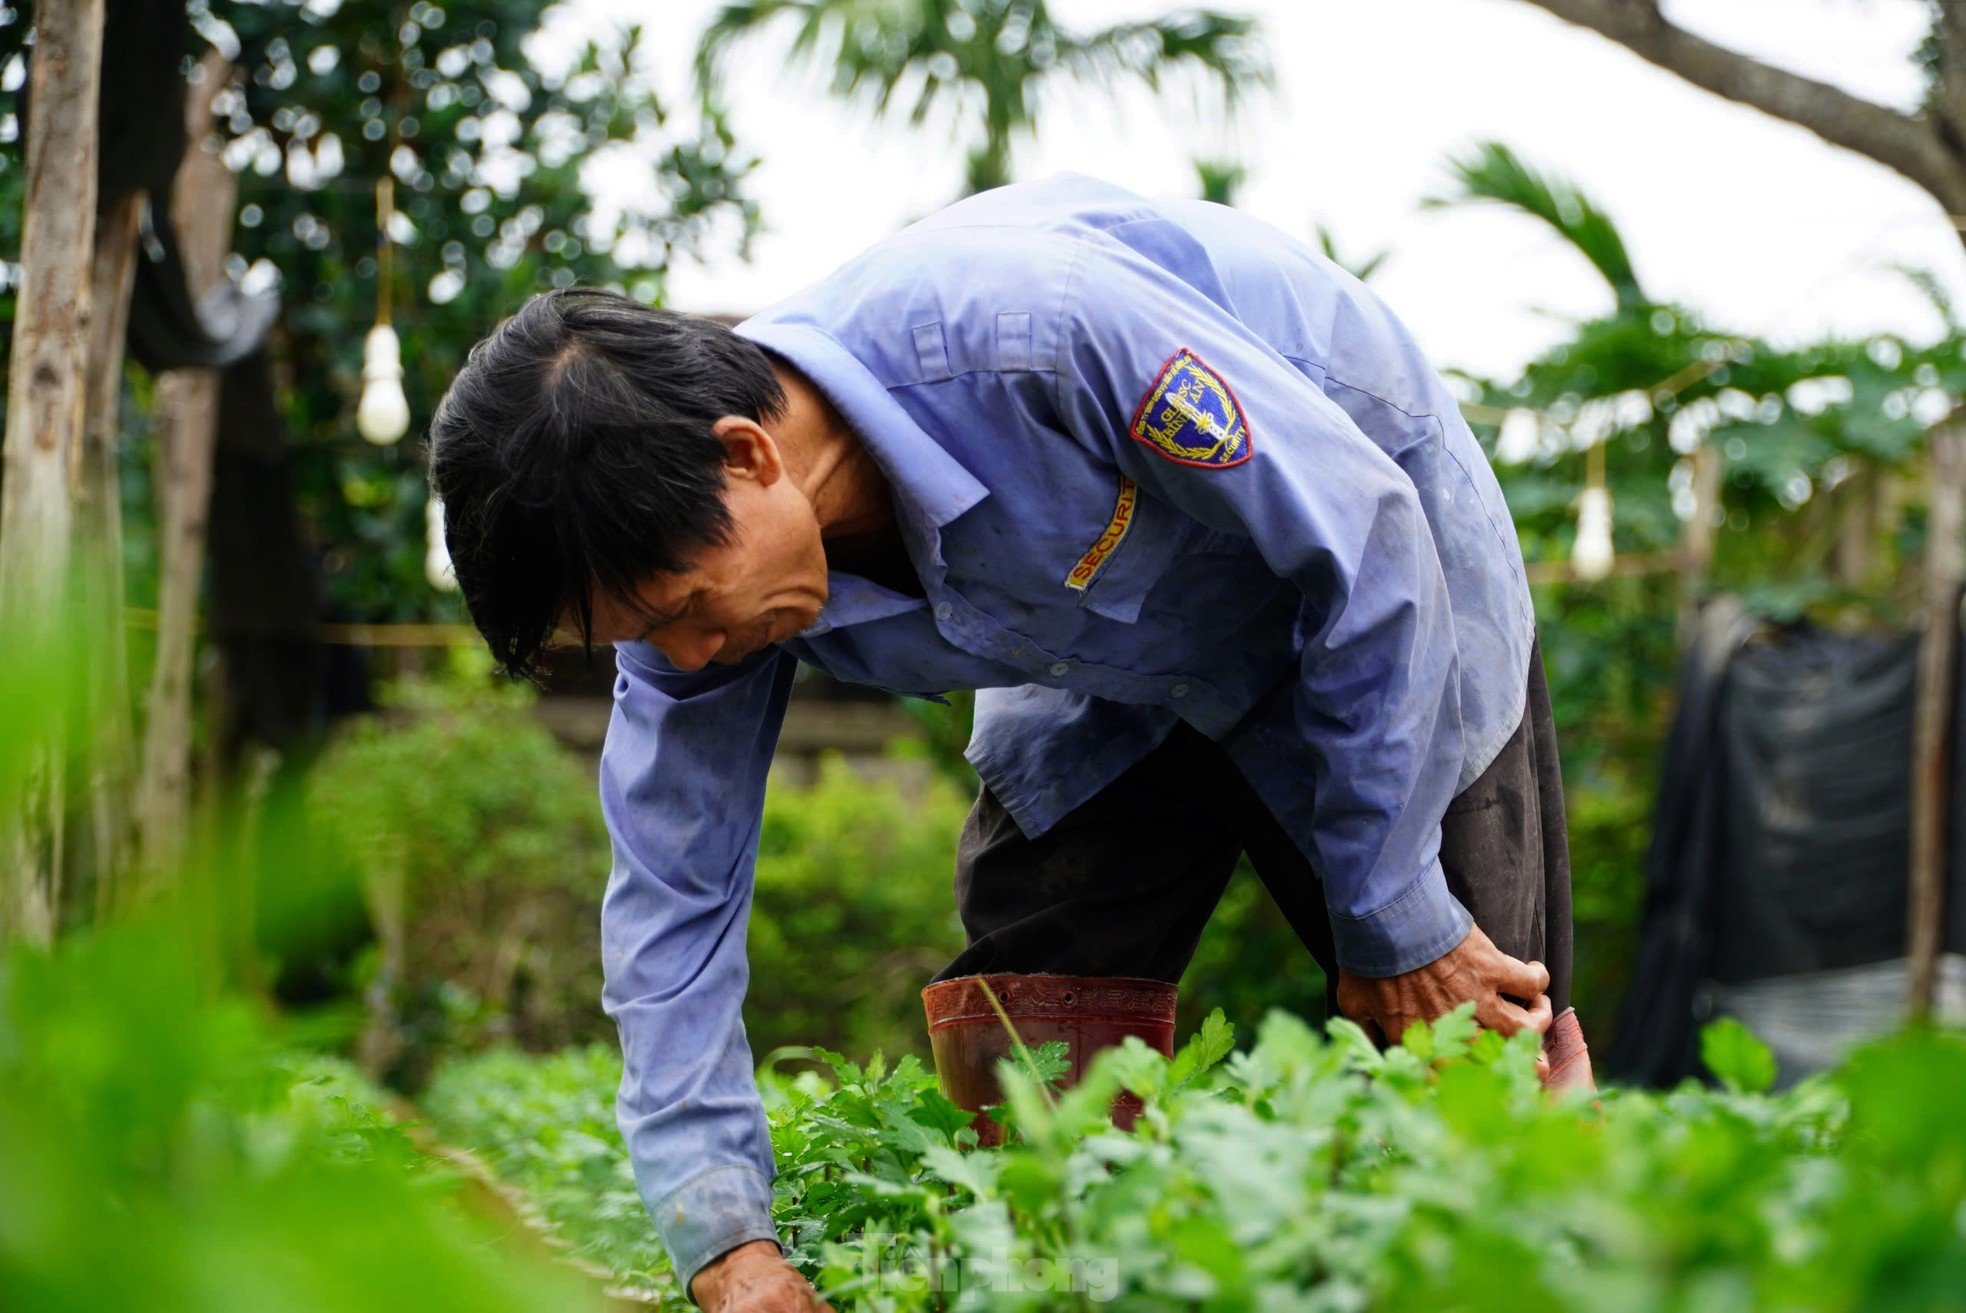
(1938, 668)
(187, 413)
(46, 397)
(101, 844)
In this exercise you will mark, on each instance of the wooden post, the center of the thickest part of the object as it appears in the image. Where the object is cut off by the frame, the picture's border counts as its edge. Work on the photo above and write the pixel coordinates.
(1938, 661)
(45, 403)
(1856, 526)
(187, 413)
(100, 852)
(1697, 539)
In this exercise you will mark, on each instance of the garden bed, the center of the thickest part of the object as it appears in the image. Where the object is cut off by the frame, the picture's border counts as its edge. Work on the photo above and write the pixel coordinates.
(1308, 1172)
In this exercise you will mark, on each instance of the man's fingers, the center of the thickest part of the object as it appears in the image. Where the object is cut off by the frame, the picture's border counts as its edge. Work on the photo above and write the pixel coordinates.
(1541, 1014)
(1523, 979)
(1500, 1014)
(1497, 1013)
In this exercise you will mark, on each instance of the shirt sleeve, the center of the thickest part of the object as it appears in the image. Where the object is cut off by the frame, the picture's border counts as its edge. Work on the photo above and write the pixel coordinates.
(682, 788)
(1198, 409)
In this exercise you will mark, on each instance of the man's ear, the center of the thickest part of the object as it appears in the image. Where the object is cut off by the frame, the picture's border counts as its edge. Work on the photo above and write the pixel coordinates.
(750, 452)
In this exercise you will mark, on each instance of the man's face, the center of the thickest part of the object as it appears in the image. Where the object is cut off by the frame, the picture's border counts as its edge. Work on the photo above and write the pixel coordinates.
(767, 584)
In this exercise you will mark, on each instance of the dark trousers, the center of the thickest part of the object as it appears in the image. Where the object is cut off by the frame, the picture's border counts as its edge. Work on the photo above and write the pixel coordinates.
(1123, 885)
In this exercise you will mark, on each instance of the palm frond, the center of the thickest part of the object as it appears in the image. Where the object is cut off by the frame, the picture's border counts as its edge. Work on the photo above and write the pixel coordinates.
(1496, 174)
(1225, 50)
(1221, 179)
(1934, 291)
(1362, 270)
(985, 61)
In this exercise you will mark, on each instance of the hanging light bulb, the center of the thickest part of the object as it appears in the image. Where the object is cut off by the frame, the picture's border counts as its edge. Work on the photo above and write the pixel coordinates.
(383, 414)
(436, 555)
(1592, 555)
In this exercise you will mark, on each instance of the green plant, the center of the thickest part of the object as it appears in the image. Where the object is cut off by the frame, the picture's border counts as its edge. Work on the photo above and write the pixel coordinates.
(1320, 1173)
(853, 911)
(1609, 823)
(480, 846)
(166, 1150)
(166, 1142)
(546, 1125)
(479, 840)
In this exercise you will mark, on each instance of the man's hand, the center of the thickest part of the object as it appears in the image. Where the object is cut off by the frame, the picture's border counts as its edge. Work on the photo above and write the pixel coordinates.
(754, 1278)
(1475, 970)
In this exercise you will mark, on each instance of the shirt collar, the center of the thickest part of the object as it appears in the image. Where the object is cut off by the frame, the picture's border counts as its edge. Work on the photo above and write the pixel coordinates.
(923, 475)
(851, 600)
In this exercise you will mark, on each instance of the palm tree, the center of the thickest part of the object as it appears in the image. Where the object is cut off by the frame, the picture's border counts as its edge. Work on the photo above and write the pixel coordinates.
(986, 63)
(1804, 432)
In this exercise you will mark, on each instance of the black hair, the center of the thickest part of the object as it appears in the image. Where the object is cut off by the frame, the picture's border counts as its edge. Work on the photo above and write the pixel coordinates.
(573, 454)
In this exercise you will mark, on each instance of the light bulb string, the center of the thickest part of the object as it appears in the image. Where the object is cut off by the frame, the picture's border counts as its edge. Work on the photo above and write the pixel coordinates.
(385, 188)
(385, 209)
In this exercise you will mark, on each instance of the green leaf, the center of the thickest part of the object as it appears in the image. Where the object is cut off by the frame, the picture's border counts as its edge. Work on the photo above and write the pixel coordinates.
(1028, 1181)
(1455, 1032)
(974, 1172)
(1360, 1053)
(937, 1112)
(1213, 1042)
(1419, 1041)
(1049, 1062)
(1736, 1058)
(1130, 1065)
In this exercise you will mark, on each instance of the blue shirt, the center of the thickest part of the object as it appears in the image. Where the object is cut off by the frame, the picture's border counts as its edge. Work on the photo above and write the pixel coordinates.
(1153, 462)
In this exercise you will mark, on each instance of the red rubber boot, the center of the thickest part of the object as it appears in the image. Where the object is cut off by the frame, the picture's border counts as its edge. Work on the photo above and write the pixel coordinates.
(1569, 1057)
(1088, 1013)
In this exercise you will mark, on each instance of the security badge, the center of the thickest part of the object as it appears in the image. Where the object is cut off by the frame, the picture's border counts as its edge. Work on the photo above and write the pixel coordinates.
(1191, 417)
(1109, 540)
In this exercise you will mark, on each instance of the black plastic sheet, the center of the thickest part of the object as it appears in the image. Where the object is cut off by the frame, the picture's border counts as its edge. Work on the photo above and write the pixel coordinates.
(1781, 843)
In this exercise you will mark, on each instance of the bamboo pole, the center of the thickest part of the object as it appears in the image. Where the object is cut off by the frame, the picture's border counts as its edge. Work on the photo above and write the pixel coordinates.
(46, 397)
(187, 413)
(1938, 663)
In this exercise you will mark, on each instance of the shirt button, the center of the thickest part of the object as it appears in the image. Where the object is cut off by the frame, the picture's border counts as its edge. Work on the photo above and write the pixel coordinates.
(1179, 690)
(1060, 667)
(944, 611)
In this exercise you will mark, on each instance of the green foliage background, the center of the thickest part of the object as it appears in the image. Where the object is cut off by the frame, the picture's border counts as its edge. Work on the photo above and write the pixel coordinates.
(485, 140)
(852, 911)
(486, 146)
(454, 805)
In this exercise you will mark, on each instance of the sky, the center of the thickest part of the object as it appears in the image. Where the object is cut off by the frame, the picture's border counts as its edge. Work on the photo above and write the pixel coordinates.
(1757, 224)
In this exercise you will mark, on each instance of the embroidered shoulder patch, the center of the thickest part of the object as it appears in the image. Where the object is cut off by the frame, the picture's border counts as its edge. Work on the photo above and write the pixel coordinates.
(1109, 540)
(1190, 416)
